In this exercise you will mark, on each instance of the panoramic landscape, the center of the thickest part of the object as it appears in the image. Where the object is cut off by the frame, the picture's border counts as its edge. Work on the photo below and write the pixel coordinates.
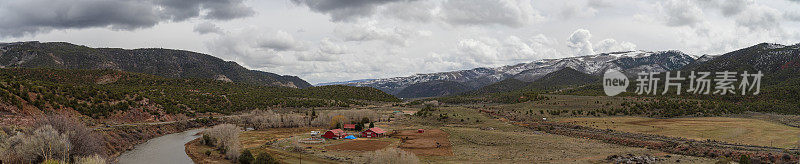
(399, 81)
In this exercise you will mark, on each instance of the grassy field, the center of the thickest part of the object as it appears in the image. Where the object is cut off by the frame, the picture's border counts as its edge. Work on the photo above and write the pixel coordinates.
(482, 139)
(732, 130)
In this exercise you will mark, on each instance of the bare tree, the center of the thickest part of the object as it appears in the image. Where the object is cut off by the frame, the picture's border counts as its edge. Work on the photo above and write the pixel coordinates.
(227, 138)
(85, 142)
(11, 149)
(260, 120)
(344, 116)
(48, 144)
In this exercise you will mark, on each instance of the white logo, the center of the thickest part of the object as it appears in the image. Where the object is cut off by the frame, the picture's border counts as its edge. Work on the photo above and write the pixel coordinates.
(614, 82)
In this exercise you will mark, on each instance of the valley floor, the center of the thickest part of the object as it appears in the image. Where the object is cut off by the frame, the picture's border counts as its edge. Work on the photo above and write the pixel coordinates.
(481, 139)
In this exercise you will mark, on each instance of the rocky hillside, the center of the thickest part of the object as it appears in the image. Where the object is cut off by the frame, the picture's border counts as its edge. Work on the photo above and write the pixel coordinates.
(155, 61)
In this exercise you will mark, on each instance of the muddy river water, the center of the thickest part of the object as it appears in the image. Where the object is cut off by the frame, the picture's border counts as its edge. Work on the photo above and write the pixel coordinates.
(167, 149)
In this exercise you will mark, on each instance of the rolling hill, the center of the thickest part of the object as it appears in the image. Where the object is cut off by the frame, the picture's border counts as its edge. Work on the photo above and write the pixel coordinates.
(433, 88)
(555, 80)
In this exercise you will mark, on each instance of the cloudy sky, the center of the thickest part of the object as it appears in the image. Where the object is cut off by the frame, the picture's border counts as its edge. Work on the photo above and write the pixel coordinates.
(338, 40)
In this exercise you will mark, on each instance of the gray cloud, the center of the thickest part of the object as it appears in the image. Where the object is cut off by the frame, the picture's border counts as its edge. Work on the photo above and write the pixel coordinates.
(207, 28)
(418, 11)
(327, 51)
(281, 41)
(513, 13)
(345, 10)
(179, 10)
(760, 18)
(18, 18)
(733, 7)
(681, 13)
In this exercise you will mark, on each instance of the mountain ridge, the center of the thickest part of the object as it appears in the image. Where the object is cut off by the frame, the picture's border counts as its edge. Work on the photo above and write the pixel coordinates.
(627, 61)
(155, 61)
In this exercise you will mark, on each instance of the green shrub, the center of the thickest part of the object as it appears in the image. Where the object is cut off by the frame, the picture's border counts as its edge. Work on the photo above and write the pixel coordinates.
(246, 157)
(265, 158)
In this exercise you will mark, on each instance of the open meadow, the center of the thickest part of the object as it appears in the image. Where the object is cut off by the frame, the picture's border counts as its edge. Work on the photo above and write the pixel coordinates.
(732, 130)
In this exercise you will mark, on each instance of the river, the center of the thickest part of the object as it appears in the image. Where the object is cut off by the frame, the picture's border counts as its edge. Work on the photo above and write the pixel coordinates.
(165, 149)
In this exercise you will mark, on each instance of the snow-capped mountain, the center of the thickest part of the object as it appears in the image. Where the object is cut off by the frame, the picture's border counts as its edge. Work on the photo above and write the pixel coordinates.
(342, 82)
(629, 62)
(766, 57)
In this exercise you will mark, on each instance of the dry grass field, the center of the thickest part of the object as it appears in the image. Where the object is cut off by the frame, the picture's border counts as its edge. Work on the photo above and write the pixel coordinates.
(475, 145)
(482, 139)
(257, 142)
(432, 142)
(359, 145)
(732, 130)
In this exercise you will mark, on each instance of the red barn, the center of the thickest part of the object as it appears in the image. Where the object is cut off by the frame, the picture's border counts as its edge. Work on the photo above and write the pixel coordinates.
(373, 132)
(334, 134)
(349, 126)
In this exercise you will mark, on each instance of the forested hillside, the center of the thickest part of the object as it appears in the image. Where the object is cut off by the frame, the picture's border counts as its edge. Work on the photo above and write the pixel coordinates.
(155, 61)
(98, 93)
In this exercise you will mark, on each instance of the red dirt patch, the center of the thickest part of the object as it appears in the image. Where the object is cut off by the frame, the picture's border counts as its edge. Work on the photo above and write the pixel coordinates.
(360, 145)
(425, 144)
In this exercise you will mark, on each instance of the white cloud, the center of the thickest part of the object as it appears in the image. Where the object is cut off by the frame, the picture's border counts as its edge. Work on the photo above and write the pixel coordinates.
(329, 47)
(243, 48)
(398, 36)
(483, 52)
(572, 9)
(611, 45)
(580, 42)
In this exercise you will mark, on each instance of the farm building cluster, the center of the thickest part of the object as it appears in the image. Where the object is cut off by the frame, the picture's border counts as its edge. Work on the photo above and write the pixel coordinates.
(341, 134)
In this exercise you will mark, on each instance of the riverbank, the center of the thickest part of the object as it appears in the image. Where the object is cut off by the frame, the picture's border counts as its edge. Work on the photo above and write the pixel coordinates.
(165, 149)
(200, 153)
(121, 139)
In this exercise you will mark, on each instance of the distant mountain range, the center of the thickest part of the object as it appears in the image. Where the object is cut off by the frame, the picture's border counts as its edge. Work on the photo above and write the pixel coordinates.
(343, 82)
(766, 57)
(155, 61)
(628, 62)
